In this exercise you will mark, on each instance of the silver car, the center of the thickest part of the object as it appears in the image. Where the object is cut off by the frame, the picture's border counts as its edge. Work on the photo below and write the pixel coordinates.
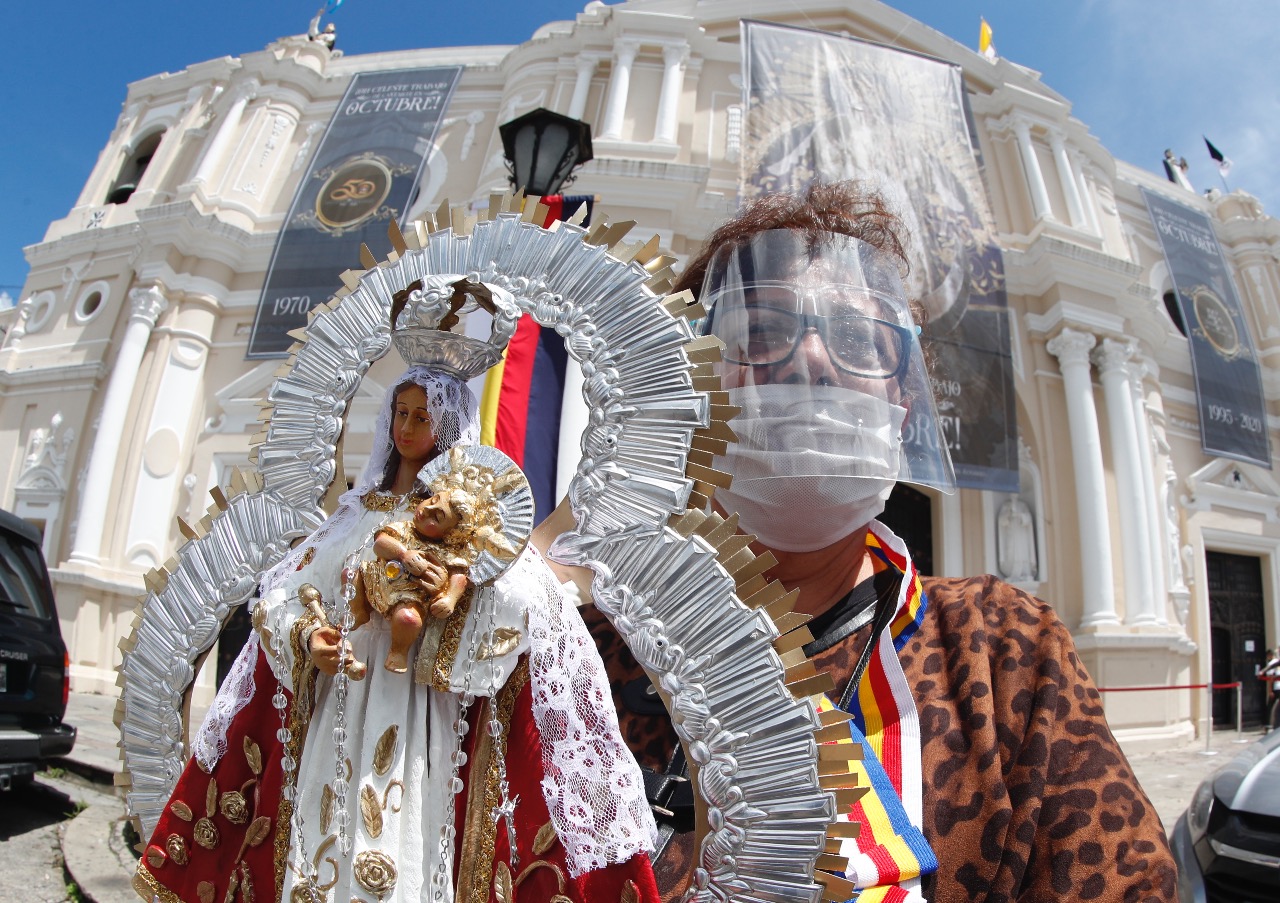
(1227, 843)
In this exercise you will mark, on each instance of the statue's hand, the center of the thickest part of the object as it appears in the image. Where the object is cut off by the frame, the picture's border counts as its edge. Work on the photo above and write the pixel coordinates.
(323, 649)
(432, 577)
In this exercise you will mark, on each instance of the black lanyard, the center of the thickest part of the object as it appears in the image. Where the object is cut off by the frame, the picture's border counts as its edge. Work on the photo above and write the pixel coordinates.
(851, 614)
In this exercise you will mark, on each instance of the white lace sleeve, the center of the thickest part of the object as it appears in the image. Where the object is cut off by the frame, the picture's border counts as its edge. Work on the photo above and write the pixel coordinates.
(210, 742)
(591, 782)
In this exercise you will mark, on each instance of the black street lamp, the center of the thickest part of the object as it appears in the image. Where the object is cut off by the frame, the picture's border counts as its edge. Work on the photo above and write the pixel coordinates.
(542, 149)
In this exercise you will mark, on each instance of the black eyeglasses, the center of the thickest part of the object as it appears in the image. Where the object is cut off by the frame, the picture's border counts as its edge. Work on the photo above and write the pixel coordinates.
(764, 334)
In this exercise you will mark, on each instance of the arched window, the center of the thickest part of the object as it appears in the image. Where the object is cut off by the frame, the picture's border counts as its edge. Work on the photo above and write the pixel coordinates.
(1175, 311)
(130, 174)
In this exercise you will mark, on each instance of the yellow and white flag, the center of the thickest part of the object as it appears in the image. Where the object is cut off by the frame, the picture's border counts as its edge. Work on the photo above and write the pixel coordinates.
(985, 47)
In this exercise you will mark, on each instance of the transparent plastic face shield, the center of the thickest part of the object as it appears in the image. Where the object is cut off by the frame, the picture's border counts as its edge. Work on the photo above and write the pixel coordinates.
(828, 320)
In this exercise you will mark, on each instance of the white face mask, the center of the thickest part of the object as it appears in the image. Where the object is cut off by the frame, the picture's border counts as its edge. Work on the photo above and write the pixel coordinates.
(812, 464)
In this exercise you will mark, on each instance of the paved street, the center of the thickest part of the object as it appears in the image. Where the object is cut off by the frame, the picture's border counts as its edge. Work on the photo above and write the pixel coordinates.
(99, 862)
(1171, 776)
(35, 814)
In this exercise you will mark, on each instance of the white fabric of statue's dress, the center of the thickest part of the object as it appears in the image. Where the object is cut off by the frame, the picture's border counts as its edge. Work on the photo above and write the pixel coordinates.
(411, 792)
(592, 786)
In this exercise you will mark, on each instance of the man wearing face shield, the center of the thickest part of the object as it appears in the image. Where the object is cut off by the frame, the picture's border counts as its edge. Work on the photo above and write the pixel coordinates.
(994, 774)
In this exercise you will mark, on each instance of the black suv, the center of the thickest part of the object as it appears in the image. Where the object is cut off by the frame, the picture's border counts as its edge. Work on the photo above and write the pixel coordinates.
(34, 680)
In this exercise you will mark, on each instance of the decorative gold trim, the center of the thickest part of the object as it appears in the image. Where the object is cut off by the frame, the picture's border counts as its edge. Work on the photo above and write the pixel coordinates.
(384, 751)
(246, 883)
(383, 501)
(450, 638)
(148, 887)
(176, 847)
(211, 797)
(561, 880)
(233, 807)
(370, 811)
(375, 871)
(304, 684)
(505, 640)
(326, 808)
(545, 839)
(253, 755)
(475, 862)
(503, 887)
(205, 833)
(375, 589)
(181, 810)
(258, 830)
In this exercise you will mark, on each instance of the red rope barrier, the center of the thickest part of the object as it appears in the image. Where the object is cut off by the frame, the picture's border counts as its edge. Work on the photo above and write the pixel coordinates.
(1230, 686)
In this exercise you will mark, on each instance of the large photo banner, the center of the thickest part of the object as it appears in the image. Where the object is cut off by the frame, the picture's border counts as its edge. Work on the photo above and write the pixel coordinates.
(361, 178)
(822, 106)
(1233, 410)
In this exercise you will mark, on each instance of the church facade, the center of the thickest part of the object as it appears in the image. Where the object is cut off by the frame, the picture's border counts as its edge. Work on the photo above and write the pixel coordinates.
(126, 395)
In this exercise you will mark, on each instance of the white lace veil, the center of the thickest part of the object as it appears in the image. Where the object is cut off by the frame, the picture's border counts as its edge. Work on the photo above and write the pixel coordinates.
(454, 418)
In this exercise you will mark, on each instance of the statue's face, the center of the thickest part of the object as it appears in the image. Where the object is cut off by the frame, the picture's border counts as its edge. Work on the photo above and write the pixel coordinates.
(435, 517)
(411, 426)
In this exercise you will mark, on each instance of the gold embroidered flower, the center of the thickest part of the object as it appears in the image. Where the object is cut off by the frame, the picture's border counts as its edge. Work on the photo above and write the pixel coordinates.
(376, 872)
(233, 807)
(206, 833)
(176, 847)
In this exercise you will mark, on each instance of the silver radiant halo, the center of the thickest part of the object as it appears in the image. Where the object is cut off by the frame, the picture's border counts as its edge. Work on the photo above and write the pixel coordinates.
(669, 598)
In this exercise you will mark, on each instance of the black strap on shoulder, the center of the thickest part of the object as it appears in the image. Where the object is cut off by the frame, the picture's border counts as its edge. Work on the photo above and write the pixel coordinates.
(884, 614)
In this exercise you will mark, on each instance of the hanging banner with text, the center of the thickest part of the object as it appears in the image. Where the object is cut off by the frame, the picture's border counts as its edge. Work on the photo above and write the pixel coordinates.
(1233, 410)
(362, 177)
(824, 107)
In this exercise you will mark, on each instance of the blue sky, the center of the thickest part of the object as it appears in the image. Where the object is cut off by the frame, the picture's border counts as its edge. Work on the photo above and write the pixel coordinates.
(1141, 75)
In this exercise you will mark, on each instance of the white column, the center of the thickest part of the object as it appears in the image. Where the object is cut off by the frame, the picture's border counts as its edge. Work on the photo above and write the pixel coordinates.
(1071, 348)
(951, 562)
(226, 131)
(1147, 465)
(582, 85)
(1066, 176)
(146, 306)
(1086, 198)
(668, 122)
(1112, 359)
(1031, 164)
(624, 54)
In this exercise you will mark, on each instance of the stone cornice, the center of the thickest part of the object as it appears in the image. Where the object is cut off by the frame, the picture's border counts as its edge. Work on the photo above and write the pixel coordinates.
(1067, 314)
(1051, 261)
(119, 582)
(59, 373)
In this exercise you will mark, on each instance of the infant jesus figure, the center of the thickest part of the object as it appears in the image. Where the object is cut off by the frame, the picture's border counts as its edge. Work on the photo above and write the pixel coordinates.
(422, 567)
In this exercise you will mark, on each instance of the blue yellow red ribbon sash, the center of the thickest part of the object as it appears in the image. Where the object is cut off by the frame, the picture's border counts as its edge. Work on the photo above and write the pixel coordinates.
(890, 854)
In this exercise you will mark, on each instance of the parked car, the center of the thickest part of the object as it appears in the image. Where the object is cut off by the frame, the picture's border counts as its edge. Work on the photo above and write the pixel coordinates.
(34, 679)
(1227, 843)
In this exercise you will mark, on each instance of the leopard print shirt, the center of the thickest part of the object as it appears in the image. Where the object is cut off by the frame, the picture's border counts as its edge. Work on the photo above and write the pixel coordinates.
(1027, 795)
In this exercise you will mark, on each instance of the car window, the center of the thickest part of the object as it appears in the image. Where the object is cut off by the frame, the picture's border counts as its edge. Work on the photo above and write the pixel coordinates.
(22, 584)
